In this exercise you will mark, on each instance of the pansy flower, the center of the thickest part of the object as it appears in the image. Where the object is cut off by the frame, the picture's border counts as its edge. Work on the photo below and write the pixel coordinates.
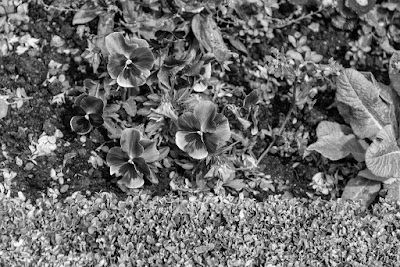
(89, 110)
(130, 160)
(130, 60)
(202, 131)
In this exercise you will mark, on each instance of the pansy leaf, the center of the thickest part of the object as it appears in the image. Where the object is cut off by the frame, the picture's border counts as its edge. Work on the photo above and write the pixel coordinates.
(141, 166)
(188, 122)
(116, 63)
(130, 143)
(152, 177)
(205, 112)
(92, 104)
(115, 159)
(80, 125)
(150, 154)
(116, 43)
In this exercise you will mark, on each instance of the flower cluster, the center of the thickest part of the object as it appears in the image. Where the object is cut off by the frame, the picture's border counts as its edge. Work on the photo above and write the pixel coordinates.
(131, 159)
(130, 60)
(202, 131)
(89, 110)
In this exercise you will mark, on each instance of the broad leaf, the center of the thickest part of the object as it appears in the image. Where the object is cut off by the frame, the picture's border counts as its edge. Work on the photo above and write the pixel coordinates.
(361, 189)
(336, 141)
(3, 108)
(209, 36)
(370, 176)
(87, 13)
(360, 104)
(383, 155)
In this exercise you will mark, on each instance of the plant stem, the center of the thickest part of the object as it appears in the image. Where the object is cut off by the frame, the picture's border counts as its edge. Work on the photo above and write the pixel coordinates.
(265, 152)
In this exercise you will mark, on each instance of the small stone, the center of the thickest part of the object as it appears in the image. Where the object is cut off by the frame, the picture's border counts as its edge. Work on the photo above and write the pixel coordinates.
(29, 166)
(61, 180)
(64, 188)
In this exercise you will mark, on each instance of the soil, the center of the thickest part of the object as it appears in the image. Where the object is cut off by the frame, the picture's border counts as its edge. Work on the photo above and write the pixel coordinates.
(37, 115)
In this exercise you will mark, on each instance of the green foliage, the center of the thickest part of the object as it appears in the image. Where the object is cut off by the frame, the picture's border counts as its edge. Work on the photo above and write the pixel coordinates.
(208, 230)
(372, 111)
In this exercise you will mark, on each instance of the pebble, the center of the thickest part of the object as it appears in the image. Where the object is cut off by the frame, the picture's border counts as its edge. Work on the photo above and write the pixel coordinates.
(29, 166)
(61, 180)
(64, 188)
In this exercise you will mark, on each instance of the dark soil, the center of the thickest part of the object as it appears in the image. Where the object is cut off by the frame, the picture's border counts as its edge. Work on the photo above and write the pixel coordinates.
(37, 115)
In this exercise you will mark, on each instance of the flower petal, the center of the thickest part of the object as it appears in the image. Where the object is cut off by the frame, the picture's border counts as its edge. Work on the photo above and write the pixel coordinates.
(188, 122)
(141, 166)
(116, 43)
(130, 143)
(143, 58)
(96, 119)
(150, 153)
(92, 104)
(115, 159)
(116, 64)
(80, 125)
(211, 142)
(79, 99)
(223, 130)
(131, 179)
(138, 42)
(191, 143)
(131, 76)
(205, 112)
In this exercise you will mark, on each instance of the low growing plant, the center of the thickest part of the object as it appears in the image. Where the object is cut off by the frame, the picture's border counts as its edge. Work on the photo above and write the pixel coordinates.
(372, 111)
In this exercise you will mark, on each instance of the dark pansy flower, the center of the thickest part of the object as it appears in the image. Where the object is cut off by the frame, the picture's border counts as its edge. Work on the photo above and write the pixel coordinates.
(90, 112)
(130, 60)
(130, 160)
(202, 131)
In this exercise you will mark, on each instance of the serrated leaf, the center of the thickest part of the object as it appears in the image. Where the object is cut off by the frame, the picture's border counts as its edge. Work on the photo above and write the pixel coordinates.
(360, 104)
(361, 189)
(209, 36)
(336, 141)
(383, 155)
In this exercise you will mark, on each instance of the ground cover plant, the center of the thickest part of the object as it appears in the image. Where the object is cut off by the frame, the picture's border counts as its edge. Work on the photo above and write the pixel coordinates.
(249, 98)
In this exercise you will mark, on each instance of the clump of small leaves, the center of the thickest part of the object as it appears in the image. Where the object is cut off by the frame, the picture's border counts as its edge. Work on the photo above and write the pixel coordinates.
(89, 110)
(202, 131)
(131, 159)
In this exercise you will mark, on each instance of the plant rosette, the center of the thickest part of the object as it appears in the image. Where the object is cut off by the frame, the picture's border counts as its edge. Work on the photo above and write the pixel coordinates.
(131, 160)
(203, 131)
(372, 111)
(89, 110)
(130, 60)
